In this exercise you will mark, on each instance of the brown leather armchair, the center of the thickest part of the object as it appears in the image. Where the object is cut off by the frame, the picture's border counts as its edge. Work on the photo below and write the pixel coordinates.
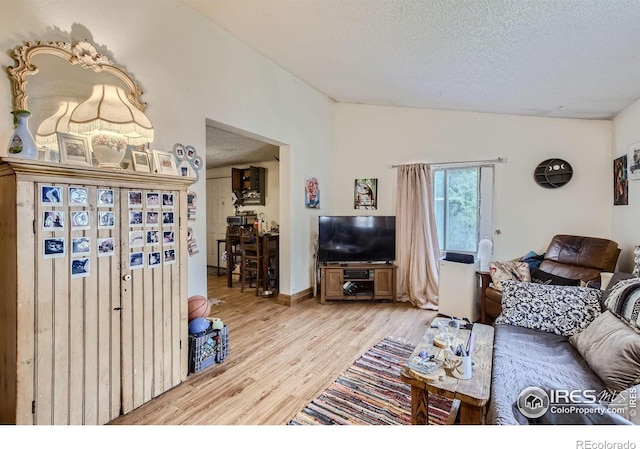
(569, 256)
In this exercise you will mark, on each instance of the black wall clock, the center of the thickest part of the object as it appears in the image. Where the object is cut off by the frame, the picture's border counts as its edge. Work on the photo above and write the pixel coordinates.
(553, 173)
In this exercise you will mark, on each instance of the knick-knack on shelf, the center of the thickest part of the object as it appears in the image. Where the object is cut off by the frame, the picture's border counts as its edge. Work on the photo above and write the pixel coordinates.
(22, 143)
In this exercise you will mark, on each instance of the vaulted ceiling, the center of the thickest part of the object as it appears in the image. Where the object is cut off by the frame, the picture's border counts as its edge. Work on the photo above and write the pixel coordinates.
(548, 58)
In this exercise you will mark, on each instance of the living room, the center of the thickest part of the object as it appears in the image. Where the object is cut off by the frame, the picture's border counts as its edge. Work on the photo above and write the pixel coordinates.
(192, 70)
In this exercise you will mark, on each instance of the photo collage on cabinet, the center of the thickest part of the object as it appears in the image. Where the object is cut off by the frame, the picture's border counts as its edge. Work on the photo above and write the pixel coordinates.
(151, 229)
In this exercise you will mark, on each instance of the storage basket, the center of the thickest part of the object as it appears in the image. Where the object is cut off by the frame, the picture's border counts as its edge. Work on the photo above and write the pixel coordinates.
(209, 348)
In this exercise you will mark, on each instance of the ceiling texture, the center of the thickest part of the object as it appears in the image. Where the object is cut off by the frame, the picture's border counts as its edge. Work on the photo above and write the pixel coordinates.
(546, 58)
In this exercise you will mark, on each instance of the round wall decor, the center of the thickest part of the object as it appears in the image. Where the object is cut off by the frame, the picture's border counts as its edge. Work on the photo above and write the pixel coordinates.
(553, 173)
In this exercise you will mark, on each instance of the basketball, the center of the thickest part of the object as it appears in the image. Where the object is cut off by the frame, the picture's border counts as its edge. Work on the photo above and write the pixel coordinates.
(199, 306)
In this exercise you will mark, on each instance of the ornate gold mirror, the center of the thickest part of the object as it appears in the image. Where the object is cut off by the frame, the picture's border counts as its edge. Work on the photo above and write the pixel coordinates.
(48, 73)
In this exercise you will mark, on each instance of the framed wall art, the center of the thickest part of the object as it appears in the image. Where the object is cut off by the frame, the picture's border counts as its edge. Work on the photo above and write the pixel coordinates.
(140, 161)
(620, 182)
(164, 163)
(634, 161)
(311, 193)
(74, 149)
(366, 194)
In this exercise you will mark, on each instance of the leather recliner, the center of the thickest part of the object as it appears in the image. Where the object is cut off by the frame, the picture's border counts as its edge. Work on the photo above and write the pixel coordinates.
(569, 256)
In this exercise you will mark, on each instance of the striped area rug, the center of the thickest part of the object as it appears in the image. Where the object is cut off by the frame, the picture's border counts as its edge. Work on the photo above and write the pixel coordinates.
(371, 392)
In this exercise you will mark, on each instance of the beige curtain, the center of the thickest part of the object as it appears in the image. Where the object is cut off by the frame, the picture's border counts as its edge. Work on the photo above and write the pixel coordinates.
(417, 250)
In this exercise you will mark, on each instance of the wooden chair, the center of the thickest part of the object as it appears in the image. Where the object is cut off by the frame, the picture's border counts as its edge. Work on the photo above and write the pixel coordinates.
(250, 260)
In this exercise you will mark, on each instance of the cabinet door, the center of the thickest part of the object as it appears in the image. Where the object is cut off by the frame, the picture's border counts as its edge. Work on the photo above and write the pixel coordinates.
(333, 283)
(383, 282)
(153, 353)
(77, 300)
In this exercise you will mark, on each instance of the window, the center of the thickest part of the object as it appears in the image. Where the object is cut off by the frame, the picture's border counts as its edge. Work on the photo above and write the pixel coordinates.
(463, 203)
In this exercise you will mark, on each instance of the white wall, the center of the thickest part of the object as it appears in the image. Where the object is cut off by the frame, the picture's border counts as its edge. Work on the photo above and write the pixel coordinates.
(369, 139)
(626, 219)
(191, 70)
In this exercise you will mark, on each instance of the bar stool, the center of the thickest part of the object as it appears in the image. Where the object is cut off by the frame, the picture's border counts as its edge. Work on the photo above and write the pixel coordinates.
(251, 260)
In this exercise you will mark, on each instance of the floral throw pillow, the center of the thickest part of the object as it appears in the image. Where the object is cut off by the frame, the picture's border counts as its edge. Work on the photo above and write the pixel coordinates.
(560, 309)
(512, 270)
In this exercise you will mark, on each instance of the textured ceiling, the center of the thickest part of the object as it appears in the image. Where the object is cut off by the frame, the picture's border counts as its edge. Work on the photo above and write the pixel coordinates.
(548, 58)
(225, 148)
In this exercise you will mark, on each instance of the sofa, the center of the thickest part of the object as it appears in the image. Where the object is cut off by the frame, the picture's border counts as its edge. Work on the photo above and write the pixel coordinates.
(568, 257)
(581, 340)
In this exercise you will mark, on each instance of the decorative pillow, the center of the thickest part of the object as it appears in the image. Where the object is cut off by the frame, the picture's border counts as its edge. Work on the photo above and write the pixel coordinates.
(542, 277)
(562, 310)
(532, 259)
(626, 404)
(623, 300)
(512, 270)
(612, 349)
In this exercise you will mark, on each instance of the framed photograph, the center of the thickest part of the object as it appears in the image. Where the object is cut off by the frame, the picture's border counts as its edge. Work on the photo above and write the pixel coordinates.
(135, 198)
(80, 268)
(136, 260)
(135, 218)
(311, 193)
(185, 169)
(74, 149)
(169, 256)
(43, 154)
(153, 200)
(106, 247)
(78, 196)
(167, 200)
(51, 195)
(52, 248)
(197, 162)
(154, 259)
(106, 219)
(164, 163)
(191, 198)
(153, 218)
(168, 237)
(53, 156)
(620, 182)
(136, 239)
(167, 218)
(179, 151)
(366, 194)
(153, 237)
(634, 161)
(190, 152)
(52, 220)
(105, 198)
(140, 161)
(80, 245)
(80, 220)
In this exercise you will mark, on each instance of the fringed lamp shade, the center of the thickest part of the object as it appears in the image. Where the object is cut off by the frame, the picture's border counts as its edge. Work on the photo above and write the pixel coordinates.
(109, 109)
(59, 122)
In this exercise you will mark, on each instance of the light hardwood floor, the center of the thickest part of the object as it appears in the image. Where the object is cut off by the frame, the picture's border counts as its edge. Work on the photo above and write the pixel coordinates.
(280, 357)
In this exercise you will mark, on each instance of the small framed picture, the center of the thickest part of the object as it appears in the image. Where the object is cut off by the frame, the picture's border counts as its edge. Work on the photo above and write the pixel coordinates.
(106, 247)
(136, 260)
(80, 245)
(168, 237)
(43, 154)
(197, 162)
(105, 198)
(167, 200)
(135, 198)
(78, 196)
(191, 198)
(80, 220)
(106, 219)
(51, 195)
(164, 163)
(153, 199)
(135, 218)
(153, 218)
(154, 259)
(185, 169)
(80, 268)
(136, 239)
(178, 150)
(140, 161)
(153, 237)
(74, 149)
(633, 161)
(54, 247)
(53, 156)
(167, 218)
(169, 256)
(52, 220)
(190, 151)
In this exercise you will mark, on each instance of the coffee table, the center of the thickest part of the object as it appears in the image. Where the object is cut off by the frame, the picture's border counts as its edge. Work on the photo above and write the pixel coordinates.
(473, 393)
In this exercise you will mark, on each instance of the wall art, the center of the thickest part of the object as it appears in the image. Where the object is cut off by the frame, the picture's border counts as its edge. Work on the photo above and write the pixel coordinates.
(366, 194)
(620, 182)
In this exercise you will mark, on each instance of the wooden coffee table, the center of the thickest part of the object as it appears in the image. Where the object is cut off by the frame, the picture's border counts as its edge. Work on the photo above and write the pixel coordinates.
(473, 393)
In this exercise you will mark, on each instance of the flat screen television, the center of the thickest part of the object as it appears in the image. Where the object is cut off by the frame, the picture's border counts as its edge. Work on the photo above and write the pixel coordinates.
(358, 238)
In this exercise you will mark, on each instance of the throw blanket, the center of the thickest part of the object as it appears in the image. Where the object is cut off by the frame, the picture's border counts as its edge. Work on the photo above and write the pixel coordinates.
(624, 301)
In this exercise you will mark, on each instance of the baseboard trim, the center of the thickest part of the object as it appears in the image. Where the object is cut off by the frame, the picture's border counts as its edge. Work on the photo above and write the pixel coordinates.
(292, 300)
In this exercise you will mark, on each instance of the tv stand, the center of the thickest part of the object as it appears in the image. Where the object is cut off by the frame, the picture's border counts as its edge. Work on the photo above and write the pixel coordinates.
(359, 281)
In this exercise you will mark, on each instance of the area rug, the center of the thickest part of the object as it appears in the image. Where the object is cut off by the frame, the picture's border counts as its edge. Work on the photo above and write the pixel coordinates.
(370, 392)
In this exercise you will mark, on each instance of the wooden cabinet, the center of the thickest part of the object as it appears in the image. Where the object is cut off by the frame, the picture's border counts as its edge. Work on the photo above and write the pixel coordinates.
(358, 282)
(249, 184)
(93, 317)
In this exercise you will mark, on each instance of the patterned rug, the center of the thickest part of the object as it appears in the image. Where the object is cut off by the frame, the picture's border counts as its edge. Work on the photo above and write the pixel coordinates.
(371, 392)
